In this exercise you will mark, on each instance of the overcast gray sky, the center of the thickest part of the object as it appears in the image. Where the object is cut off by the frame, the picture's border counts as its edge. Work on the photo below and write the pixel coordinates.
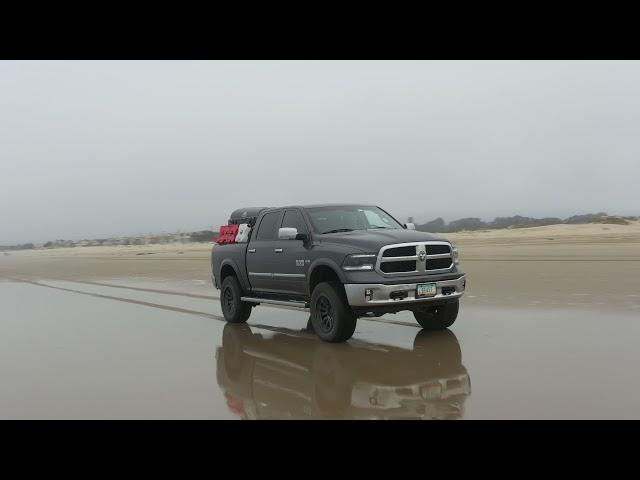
(96, 149)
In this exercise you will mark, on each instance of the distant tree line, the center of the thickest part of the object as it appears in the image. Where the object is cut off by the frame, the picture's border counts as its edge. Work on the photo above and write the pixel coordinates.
(201, 236)
(518, 221)
(204, 236)
(24, 246)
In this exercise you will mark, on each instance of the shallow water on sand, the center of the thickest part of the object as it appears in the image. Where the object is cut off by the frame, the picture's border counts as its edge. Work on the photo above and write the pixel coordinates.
(158, 348)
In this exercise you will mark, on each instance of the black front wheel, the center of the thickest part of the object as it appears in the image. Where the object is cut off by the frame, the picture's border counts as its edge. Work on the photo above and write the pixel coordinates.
(233, 309)
(439, 316)
(332, 318)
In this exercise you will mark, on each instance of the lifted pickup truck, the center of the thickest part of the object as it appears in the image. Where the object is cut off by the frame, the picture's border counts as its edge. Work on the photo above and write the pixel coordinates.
(341, 262)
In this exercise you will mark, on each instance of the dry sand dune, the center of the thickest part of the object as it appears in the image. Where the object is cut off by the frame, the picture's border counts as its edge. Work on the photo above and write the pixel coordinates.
(588, 233)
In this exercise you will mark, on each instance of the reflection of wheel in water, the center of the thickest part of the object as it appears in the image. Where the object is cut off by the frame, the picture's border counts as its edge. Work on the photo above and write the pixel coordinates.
(440, 345)
(332, 394)
(234, 337)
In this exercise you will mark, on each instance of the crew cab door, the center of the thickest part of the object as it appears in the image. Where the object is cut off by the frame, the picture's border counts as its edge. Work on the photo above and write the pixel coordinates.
(292, 260)
(261, 253)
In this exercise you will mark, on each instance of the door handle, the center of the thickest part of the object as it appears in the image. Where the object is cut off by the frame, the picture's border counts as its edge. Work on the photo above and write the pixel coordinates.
(252, 250)
(277, 250)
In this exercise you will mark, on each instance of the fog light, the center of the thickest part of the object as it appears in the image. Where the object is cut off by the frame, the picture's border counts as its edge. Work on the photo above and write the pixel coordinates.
(368, 294)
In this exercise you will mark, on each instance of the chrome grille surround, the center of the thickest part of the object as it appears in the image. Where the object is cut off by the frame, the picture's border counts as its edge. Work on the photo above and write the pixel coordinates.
(421, 258)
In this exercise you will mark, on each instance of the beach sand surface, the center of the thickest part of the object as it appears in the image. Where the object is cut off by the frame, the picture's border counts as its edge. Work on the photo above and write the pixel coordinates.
(547, 329)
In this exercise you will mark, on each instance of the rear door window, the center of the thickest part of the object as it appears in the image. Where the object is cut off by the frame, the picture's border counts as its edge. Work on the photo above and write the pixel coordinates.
(268, 228)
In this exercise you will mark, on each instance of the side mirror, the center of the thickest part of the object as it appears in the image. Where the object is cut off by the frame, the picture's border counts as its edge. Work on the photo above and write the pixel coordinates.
(287, 233)
(410, 226)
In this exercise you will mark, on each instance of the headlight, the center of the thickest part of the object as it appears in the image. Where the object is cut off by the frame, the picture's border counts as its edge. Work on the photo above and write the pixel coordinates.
(455, 256)
(360, 261)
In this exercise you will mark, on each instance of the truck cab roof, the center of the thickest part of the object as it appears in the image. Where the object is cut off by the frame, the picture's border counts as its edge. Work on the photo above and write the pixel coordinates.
(322, 205)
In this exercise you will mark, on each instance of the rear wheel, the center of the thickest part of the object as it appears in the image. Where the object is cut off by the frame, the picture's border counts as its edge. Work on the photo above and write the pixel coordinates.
(332, 318)
(439, 316)
(233, 309)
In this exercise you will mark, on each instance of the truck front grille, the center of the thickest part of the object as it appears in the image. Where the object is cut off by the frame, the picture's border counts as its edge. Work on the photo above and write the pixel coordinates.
(438, 263)
(437, 249)
(400, 252)
(394, 267)
(414, 258)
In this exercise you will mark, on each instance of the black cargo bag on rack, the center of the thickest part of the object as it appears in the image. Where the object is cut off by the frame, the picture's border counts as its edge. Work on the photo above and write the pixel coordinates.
(245, 215)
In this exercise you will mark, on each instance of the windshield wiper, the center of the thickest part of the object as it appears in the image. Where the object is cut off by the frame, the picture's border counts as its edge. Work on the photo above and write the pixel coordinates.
(337, 230)
(386, 228)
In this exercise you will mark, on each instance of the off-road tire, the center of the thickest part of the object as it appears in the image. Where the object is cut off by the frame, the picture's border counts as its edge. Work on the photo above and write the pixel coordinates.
(332, 318)
(233, 309)
(438, 317)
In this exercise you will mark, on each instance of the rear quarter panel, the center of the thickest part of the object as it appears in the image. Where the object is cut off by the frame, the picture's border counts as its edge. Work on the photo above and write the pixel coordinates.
(234, 256)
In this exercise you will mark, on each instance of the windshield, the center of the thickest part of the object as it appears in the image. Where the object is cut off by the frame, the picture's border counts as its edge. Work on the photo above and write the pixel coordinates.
(347, 218)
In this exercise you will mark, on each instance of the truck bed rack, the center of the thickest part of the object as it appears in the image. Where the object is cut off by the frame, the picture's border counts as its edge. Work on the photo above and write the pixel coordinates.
(247, 215)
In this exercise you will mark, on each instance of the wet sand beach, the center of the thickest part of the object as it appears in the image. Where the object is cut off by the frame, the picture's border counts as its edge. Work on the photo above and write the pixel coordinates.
(548, 328)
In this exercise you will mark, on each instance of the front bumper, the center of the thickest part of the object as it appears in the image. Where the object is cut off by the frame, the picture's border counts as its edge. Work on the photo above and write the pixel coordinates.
(381, 294)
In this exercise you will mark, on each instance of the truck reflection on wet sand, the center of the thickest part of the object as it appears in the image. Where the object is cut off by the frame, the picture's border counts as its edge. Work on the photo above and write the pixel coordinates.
(293, 375)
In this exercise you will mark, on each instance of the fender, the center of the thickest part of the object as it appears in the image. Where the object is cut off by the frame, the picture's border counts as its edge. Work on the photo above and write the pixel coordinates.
(327, 262)
(244, 281)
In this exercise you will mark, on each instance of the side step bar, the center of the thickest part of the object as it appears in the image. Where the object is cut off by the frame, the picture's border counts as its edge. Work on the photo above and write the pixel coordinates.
(286, 303)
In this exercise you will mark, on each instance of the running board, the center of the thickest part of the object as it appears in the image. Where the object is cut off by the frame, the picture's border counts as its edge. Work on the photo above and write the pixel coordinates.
(286, 303)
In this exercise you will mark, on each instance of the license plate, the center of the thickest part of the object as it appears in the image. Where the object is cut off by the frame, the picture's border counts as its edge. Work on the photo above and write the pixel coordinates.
(425, 290)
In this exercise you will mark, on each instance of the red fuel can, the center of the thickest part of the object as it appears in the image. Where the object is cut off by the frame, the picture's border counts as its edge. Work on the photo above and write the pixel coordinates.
(228, 234)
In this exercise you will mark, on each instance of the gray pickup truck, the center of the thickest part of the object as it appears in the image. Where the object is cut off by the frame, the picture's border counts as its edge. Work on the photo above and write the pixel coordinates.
(340, 261)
